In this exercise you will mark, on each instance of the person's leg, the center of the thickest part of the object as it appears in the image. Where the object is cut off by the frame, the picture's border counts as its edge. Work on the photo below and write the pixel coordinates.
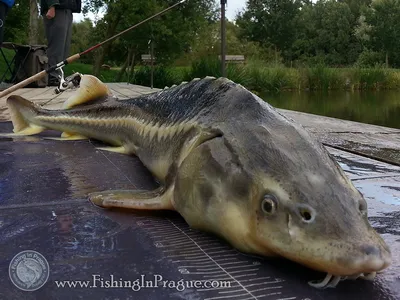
(56, 31)
(68, 25)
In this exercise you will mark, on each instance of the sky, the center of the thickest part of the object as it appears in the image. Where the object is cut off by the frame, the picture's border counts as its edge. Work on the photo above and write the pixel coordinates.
(233, 6)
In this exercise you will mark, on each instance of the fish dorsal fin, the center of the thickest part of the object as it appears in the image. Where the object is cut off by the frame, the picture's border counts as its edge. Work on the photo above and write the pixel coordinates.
(90, 89)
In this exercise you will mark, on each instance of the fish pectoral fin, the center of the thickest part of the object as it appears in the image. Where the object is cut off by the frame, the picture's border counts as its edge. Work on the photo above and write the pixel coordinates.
(10, 135)
(159, 199)
(69, 136)
(120, 149)
(73, 136)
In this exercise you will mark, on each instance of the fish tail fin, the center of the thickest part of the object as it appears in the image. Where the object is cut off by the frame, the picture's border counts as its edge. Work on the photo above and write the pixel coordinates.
(22, 112)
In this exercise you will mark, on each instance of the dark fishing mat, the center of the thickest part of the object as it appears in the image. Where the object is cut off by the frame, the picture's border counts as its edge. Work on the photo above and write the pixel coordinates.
(95, 253)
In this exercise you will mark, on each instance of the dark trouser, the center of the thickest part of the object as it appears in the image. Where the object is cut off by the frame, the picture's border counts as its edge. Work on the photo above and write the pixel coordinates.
(3, 13)
(58, 33)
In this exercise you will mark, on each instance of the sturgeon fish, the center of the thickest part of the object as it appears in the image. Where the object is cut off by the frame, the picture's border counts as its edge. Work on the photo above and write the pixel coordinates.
(230, 164)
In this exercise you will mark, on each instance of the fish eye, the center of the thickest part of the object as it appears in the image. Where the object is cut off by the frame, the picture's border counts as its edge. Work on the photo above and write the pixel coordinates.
(269, 204)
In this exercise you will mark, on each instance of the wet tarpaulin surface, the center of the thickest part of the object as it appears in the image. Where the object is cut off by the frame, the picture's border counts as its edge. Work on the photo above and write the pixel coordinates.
(43, 207)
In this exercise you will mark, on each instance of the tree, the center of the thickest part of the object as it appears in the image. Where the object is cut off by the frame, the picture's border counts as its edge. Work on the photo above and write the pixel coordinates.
(356, 5)
(383, 18)
(270, 23)
(33, 22)
(80, 39)
(325, 34)
(363, 31)
(171, 33)
(208, 42)
(17, 22)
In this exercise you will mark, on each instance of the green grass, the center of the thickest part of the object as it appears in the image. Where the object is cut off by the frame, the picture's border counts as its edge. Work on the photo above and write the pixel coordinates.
(371, 78)
(272, 78)
(210, 66)
(254, 75)
(260, 77)
(9, 54)
(162, 76)
(323, 78)
(105, 75)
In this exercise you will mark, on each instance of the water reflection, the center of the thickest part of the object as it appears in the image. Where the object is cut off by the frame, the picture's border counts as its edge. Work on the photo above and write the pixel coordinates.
(373, 107)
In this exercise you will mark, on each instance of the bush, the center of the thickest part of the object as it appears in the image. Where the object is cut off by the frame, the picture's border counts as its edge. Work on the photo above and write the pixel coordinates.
(162, 76)
(369, 58)
(211, 66)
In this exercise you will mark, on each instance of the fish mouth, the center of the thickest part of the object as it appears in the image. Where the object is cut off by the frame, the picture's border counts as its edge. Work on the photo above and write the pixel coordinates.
(372, 260)
(352, 266)
(331, 281)
(364, 267)
(362, 254)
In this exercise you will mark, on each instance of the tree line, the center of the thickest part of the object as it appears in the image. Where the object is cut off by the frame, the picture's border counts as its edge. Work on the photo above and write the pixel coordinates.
(334, 33)
(294, 33)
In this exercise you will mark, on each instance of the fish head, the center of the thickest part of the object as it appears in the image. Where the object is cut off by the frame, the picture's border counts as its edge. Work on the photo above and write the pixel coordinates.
(302, 205)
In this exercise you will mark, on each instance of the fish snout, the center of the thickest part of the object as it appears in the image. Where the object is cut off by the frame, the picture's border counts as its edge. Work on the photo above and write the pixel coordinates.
(371, 250)
(375, 258)
(370, 258)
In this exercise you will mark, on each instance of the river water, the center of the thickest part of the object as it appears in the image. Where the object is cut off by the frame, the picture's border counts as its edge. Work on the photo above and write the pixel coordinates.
(373, 107)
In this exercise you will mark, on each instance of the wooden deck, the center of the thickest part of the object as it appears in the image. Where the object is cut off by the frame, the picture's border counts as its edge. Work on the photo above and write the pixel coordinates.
(50, 100)
(372, 141)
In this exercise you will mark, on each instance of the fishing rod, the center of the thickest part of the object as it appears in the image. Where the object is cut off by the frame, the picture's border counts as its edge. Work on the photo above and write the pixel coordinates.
(78, 55)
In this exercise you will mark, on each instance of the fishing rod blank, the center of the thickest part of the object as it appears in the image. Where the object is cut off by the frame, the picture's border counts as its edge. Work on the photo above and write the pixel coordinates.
(78, 55)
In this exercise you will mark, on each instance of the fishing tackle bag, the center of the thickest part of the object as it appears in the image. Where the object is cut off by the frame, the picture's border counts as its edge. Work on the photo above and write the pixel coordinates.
(30, 60)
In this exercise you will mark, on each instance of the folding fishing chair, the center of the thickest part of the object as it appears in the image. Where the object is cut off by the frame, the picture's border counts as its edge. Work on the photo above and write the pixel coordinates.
(15, 65)
(26, 61)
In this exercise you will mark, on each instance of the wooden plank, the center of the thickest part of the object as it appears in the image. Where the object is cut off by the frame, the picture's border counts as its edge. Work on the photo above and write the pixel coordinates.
(35, 93)
(147, 58)
(49, 94)
(67, 93)
(53, 105)
(377, 142)
(130, 93)
(118, 94)
(26, 92)
(142, 89)
(117, 90)
(328, 124)
(47, 103)
(233, 58)
(51, 97)
(135, 87)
